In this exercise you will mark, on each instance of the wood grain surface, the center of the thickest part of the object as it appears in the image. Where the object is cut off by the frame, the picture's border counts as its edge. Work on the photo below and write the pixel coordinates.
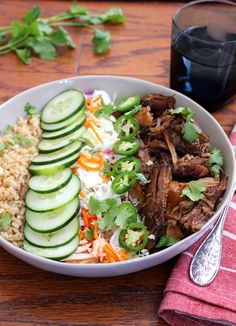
(29, 296)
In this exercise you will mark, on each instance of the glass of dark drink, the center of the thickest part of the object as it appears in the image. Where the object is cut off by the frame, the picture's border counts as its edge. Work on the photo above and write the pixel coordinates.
(203, 52)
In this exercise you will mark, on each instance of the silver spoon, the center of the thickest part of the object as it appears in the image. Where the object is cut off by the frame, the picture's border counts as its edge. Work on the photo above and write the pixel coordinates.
(206, 261)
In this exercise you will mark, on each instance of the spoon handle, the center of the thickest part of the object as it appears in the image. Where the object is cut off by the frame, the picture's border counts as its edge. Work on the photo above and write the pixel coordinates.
(206, 261)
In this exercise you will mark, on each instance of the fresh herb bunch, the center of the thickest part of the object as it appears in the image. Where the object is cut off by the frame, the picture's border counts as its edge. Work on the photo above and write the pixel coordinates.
(41, 36)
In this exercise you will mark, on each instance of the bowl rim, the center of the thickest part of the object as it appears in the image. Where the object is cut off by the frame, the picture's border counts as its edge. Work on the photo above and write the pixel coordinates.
(108, 266)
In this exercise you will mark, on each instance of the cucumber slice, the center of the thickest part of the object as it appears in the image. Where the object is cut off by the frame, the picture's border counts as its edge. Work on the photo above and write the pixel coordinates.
(52, 145)
(53, 220)
(52, 239)
(63, 106)
(48, 202)
(51, 168)
(66, 131)
(57, 156)
(53, 182)
(63, 124)
(89, 138)
(58, 253)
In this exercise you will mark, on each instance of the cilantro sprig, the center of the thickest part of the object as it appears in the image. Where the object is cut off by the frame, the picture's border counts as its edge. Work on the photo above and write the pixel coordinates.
(107, 109)
(166, 241)
(18, 139)
(42, 36)
(30, 109)
(190, 131)
(216, 160)
(194, 190)
(112, 213)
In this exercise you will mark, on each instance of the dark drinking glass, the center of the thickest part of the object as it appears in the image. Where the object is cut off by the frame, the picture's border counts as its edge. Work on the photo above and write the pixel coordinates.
(203, 52)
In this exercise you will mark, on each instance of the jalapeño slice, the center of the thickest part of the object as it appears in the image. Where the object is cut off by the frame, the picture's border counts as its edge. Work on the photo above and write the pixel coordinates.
(134, 237)
(128, 103)
(126, 148)
(123, 182)
(127, 164)
(127, 127)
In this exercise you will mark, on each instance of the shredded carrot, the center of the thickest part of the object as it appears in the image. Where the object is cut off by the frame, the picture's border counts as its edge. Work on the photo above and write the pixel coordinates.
(105, 178)
(74, 171)
(89, 167)
(96, 133)
(97, 98)
(81, 234)
(91, 163)
(82, 194)
(89, 102)
(95, 232)
(92, 159)
(110, 253)
(85, 217)
(123, 254)
(92, 105)
(90, 124)
(88, 218)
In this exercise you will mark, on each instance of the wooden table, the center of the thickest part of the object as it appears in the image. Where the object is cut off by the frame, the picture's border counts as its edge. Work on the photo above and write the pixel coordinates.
(29, 296)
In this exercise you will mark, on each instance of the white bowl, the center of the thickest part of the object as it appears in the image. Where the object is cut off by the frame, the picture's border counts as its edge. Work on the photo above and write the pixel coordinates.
(121, 86)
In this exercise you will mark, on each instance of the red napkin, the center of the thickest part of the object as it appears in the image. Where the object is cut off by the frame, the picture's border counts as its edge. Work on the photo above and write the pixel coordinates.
(186, 304)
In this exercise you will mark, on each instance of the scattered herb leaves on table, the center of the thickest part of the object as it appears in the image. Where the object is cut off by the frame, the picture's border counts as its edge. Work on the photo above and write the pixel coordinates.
(42, 36)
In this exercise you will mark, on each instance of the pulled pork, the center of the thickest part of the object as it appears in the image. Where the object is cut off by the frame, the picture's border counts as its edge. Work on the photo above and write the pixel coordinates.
(170, 163)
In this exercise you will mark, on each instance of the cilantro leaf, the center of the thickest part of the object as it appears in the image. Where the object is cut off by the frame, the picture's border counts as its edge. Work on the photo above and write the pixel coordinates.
(24, 55)
(77, 10)
(44, 28)
(2, 147)
(32, 14)
(30, 109)
(143, 180)
(107, 110)
(216, 157)
(19, 139)
(166, 241)
(215, 169)
(25, 142)
(108, 219)
(18, 30)
(194, 190)
(126, 213)
(107, 169)
(101, 41)
(44, 48)
(184, 111)
(133, 237)
(89, 234)
(113, 15)
(61, 37)
(8, 127)
(190, 131)
(100, 206)
(5, 221)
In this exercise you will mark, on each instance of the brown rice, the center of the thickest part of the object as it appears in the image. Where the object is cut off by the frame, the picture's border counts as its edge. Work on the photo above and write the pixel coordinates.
(14, 176)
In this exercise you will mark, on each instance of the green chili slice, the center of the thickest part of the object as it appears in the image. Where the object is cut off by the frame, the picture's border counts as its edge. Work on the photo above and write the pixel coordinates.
(134, 238)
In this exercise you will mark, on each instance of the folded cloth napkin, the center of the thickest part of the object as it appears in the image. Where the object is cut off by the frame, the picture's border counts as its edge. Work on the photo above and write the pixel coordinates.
(186, 304)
